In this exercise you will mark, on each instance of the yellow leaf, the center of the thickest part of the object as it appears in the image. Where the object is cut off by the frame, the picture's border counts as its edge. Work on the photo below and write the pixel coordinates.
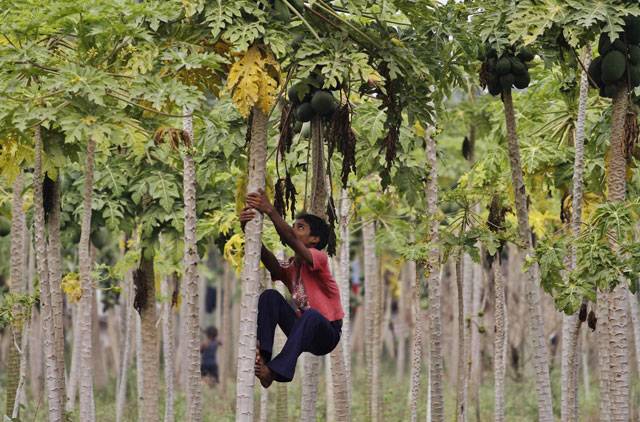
(253, 81)
(397, 42)
(71, 287)
(419, 129)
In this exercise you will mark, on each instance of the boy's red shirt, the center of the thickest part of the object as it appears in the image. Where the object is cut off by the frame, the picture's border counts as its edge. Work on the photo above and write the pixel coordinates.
(320, 288)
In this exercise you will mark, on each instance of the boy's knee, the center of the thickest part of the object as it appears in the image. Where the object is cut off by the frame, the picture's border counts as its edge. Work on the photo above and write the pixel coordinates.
(267, 297)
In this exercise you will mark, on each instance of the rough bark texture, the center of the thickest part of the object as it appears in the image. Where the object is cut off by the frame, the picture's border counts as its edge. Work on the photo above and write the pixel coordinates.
(536, 325)
(150, 360)
(371, 310)
(55, 280)
(87, 411)
(416, 345)
(618, 307)
(318, 201)
(190, 282)
(16, 286)
(571, 323)
(461, 384)
(634, 309)
(72, 385)
(344, 261)
(436, 396)
(604, 365)
(500, 340)
(227, 342)
(251, 273)
(168, 346)
(52, 383)
(121, 394)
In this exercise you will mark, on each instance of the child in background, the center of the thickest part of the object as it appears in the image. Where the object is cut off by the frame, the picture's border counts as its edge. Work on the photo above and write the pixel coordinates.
(208, 351)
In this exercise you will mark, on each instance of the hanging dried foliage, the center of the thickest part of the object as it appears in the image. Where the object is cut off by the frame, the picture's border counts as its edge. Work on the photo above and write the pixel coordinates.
(176, 137)
(139, 282)
(631, 132)
(287, 120)
(48, 196)
(332, 218)
(392, 103)
(285, 196)
(340, 135)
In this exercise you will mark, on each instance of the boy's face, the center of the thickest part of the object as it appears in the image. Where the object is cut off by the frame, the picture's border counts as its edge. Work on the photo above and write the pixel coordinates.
(303, 232)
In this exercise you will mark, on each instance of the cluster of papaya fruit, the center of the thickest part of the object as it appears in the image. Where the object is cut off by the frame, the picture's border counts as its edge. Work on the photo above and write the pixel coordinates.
(619, 60)
(280, 10)
(309, 98)
(507, 70)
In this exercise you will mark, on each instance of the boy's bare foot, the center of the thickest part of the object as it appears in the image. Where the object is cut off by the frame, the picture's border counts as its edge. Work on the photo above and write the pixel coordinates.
(263, 373)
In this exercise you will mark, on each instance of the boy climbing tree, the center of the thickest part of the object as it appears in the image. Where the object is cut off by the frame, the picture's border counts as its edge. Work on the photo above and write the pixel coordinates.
(315, 324)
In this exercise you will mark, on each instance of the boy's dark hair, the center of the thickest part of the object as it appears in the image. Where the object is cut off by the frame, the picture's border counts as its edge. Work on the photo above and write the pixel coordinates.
(212, 332)
(318, 227)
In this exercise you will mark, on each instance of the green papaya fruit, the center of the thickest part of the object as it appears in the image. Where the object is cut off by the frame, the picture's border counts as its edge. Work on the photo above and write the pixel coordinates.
(604, 44)
(506, 81)
(632, 29)
(619, 45)
(503, 66)
(5, 226)
(595, 73)
(323, 103)
(613, 66)
(522, 81)
(634, 76)
(280, 11)
(494, 88)
(526, 55)
(610, 91)
(517, 66)
(304, 112)
(634, 55)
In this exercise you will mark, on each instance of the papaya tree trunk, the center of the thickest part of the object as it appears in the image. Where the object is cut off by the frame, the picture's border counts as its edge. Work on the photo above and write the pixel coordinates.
(52, 382)
(121, 393)
(16, 286)
(532, 284)
(318, 200)
(372, 311)
(282, 401)
(461, 384)
(191, 282)
(634, 310)
(500, 339)
(251, 273)
(436, 363)
(85, 306)
(74, 370)
(617, 300)
(416, 345)
(344, 261)
(571, 323)
(604, 364)
(145, 303)
(168, 346)
(55, 280)
(227, 342)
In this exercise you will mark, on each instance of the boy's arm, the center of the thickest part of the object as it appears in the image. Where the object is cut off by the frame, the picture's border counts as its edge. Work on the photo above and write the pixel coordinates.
(266, 256)
(260, 202)
(271, 262)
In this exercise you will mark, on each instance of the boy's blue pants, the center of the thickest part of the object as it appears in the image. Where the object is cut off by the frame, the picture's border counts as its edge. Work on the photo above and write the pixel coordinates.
(311, 332)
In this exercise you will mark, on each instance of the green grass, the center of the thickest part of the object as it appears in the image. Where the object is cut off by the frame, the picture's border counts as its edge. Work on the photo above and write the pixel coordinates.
(520, 400)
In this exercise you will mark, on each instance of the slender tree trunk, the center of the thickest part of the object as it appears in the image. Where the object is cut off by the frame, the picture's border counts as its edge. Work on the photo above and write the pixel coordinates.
(477, 312)
(227, 342)
(75, 361)
(85, 314)
(344, 261)
(20, 397)
(97, 348)
(145, 303)
(617, 300)
(139, 367)
(372, 318)
(251, 273)
(402, 323)
(532, 284)
(434, 286)
(121, 394)
(16, 286)
(604, 365)
(634, 309)
(462, 381)
(571, 323)
(55, 280)
(416, 345)
(311, 363)
(52, 382)
(500, 339)
(35, 341)
(191, 259)
(168, 346)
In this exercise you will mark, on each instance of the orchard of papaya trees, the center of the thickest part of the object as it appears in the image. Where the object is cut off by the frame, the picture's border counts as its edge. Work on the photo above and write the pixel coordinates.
(319, 210)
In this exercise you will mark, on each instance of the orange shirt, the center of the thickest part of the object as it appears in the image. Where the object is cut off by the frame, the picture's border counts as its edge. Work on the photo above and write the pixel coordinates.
(313, 286)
